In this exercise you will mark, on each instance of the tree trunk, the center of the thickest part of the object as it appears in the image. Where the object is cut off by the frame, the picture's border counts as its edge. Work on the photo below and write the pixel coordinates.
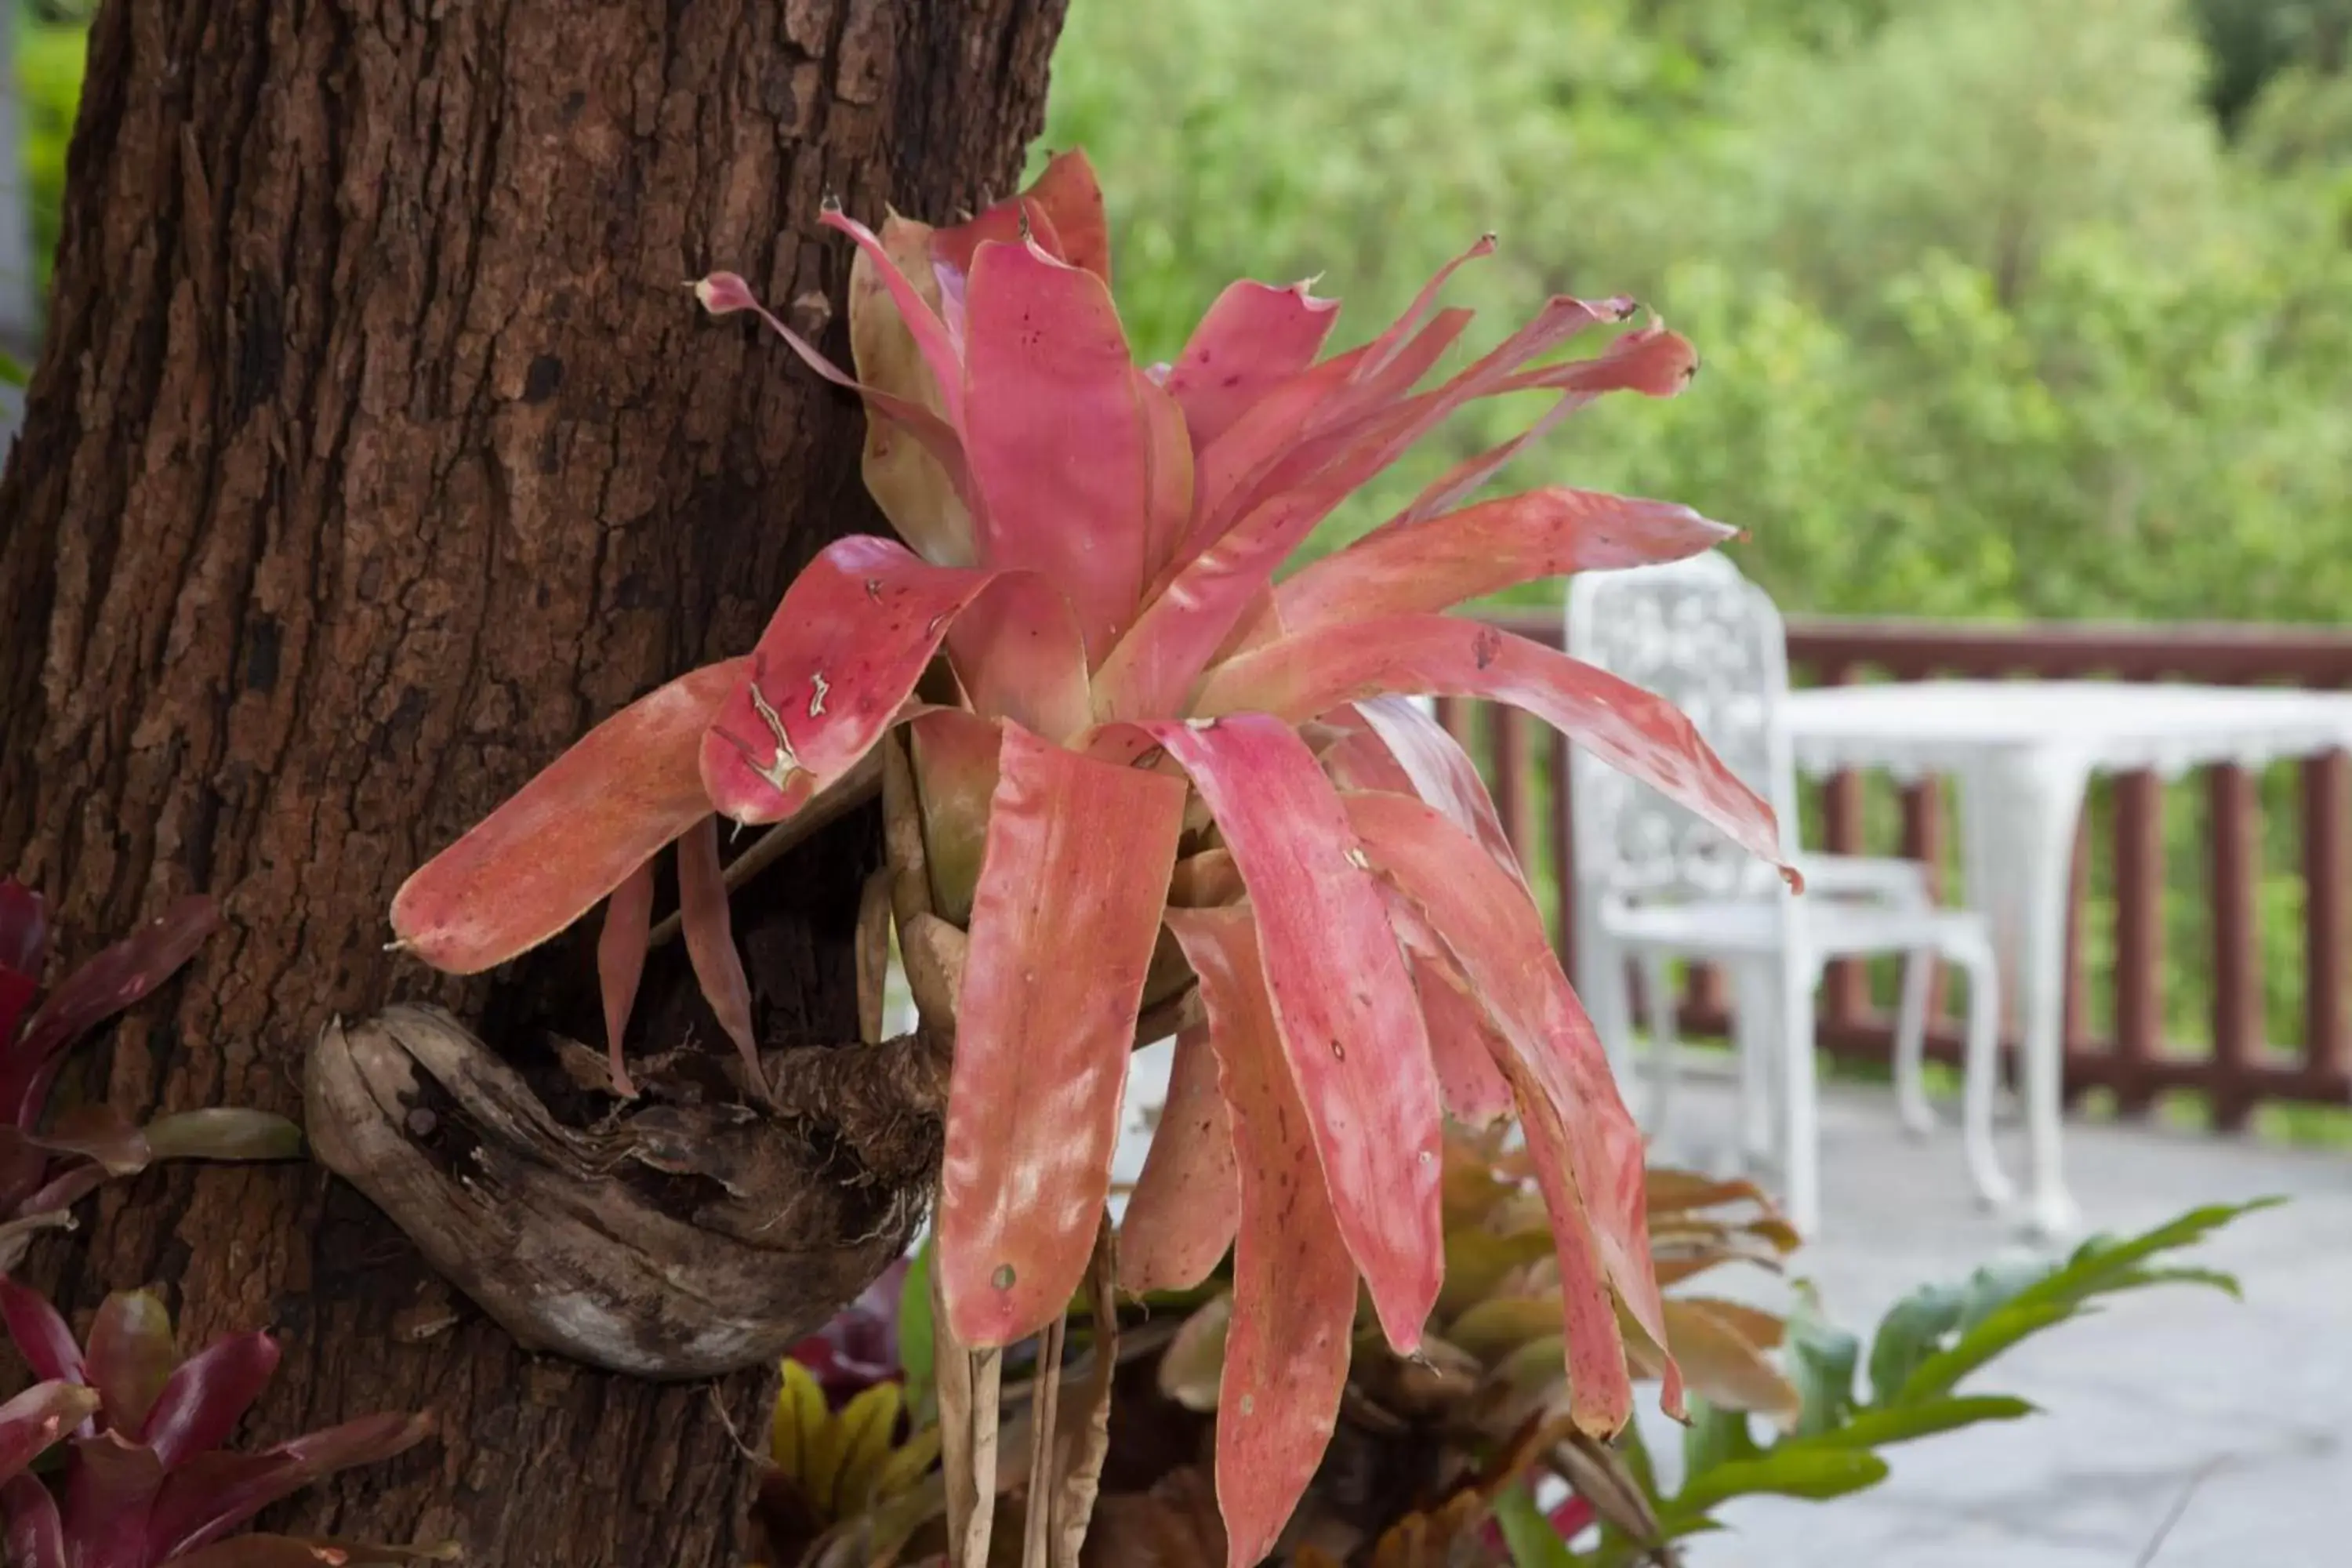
(375, 453)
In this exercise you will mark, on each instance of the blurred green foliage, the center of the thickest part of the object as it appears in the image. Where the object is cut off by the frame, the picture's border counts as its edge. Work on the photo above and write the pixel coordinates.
(49, 51)
(1996, 322)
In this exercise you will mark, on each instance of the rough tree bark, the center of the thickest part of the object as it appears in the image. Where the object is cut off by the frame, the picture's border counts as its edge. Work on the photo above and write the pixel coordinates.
(375, 452)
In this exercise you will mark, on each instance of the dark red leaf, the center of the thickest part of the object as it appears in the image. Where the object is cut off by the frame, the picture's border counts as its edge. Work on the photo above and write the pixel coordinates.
(35, 1536)
(203, 1400)
(111, 1488)
(213, 1493)
(117, 978)
(42, 1337)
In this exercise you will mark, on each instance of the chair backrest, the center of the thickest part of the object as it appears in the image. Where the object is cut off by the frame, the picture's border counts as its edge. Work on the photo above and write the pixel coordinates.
(1698, 634)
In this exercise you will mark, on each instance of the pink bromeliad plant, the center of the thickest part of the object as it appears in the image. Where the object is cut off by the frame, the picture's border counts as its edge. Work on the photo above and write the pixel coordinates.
(1094, 553)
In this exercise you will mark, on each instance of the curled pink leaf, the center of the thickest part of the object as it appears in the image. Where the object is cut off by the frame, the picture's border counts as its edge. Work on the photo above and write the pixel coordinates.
(37, 1419)
(839, 660)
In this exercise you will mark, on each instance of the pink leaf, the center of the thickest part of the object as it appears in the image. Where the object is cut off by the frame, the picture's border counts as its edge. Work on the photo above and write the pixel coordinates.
(35, 1420)
(40, 1335)
(1253, 338)
(213, 1493)
(131, 1355)
(35, 1536)
(1167, 468)
(1351, 1024)
(1180, 1217)
(621, 964)
(1070, 197)
(1286, 1351)
(1434, 767)
(1462, 1041)
(1585, 1148)
(1435, 565)
(1202, 605)
(921, 321)
(924, 499)
(1057, 441)
(1630, 729)
(1063, 929)
(206, 1396)
(575, 832)
(1019, 653)
(710, 942)
(841, 655)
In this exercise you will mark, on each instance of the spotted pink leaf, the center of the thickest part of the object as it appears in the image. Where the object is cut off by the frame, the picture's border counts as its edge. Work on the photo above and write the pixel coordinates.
(838, 659)
(1056, 435)
(1286, 1350)
(1358, 1049)
(1063, 928)
(1254, 338)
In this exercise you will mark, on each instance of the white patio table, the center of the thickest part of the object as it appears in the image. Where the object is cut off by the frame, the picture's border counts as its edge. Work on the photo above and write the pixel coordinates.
(2022, 753)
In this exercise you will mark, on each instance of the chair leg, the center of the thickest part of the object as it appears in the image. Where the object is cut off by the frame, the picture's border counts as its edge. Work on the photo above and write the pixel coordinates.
(1911, 1043)
(1756, 998)
(1658, 989)
(1800, 1136)
(1979, 1073)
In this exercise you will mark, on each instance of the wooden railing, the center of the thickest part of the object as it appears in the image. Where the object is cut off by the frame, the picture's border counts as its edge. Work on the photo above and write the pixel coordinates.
(2121, 870)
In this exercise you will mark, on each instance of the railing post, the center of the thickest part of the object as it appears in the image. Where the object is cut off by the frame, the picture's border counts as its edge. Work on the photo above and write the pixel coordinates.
(1563, 856)
(2327, 868)
(2140, 936)
(1847, 982)
(2237, 941)
(1506, 750)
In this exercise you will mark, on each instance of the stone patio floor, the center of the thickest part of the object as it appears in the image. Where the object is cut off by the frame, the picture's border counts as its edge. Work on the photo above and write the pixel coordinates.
(2237, 1415)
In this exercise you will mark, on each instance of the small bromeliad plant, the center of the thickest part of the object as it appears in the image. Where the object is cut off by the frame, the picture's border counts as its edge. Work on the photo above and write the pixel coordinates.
(145, 1483)
(44, 1171)
(1130, 775)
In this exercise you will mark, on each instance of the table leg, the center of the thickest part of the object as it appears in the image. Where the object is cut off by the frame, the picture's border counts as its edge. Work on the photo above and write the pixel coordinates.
(2020, 816)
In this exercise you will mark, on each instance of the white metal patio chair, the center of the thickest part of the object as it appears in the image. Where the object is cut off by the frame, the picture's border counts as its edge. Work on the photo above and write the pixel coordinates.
(1654, 884)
